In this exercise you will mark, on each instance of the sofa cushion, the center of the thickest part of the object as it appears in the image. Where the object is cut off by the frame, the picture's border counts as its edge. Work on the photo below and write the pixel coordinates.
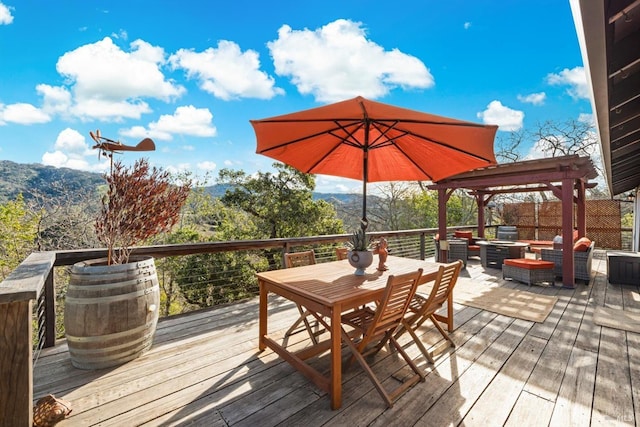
(464, 234)
(582, 244)
(529, 264)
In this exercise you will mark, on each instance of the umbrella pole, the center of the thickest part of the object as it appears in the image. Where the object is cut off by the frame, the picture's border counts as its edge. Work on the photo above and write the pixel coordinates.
(364, 222)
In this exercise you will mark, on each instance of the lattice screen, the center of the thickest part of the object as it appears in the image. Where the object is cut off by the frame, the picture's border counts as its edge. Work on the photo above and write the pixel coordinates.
(603, 221)
(524, 216)
(549, 220)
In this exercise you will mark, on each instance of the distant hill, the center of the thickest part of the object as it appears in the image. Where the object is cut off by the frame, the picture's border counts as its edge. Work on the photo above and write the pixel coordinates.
(35, 179)
(46, 181)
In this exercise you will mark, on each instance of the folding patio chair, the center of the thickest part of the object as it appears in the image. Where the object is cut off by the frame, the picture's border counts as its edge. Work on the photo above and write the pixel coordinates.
(298, 259)
(375, 328)
(423, 307)
(341, 253)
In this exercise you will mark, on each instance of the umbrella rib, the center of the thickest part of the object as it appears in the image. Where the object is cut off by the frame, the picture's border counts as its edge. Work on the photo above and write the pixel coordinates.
(380, 125)
(329, 131)
(346, 140)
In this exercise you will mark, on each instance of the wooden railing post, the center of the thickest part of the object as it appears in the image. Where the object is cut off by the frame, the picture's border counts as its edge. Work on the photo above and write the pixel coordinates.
(17, 293)
(16, 375)
(49, 311)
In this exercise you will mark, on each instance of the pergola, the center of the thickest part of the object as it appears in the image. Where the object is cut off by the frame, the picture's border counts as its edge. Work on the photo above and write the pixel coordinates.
(567, 177)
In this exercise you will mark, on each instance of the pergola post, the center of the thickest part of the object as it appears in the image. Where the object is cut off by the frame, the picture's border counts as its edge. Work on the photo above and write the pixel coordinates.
(480, 203)
(568, 279)
(581, 209)
(442, 222)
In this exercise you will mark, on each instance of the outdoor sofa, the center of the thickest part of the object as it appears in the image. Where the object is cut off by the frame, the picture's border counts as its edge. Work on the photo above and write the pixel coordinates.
(582, 257)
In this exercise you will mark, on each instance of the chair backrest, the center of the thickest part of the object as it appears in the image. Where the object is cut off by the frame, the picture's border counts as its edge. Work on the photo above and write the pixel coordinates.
(341, 253)
(297, 259)
(395, 301)
(445, 281)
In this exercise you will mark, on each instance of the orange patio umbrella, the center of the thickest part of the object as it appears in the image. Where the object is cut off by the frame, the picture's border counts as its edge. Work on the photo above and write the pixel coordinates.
(372, 141)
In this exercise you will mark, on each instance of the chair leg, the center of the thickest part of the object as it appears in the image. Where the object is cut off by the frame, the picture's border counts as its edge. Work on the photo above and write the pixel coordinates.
(421, 346)
(419, 375)
(407, 359)
(442, 331)
(361, 360)
(302, 319)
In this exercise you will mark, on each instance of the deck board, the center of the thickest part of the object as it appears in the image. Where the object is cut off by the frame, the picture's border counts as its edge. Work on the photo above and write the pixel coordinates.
(205, 369)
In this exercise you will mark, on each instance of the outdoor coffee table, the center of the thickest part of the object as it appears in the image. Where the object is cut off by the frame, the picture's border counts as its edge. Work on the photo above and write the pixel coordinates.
(330, 289)
(494, 252)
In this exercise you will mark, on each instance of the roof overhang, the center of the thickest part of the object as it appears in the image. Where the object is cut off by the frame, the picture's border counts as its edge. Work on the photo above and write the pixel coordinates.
(609, 36)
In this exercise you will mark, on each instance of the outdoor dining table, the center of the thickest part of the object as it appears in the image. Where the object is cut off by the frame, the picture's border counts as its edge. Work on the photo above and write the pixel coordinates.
(330, 289)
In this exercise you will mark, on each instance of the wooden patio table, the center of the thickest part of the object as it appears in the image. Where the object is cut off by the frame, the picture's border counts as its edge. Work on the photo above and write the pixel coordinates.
(328, 290)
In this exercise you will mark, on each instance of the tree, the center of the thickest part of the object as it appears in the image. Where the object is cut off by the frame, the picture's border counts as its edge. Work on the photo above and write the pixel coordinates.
(18, 228)
(551, 139)
(67, 220)
(204, 280)
(393, 211)
(508, 146)
(140, 203)
(280, 204)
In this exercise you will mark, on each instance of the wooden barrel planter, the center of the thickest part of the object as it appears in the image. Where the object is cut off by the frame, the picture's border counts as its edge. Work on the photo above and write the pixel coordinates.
(111, 312)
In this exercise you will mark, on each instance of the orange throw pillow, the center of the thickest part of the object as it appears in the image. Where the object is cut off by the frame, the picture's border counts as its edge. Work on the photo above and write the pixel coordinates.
(464, 234)
(582, 244)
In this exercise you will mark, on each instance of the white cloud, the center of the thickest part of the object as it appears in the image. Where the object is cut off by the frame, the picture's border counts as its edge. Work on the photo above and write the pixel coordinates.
(226, 72)
(121, 34)
(207, 166)
(587, 118)
(178, 169)
(533, 98)
(72, 141)
(71, 151)
(467, 25)
(575, 78)
(56, 99)
(186, 120)
(5, 15)
(107, 82)
(333, 184)
(506, 118)
(24, 114)
(337, 61)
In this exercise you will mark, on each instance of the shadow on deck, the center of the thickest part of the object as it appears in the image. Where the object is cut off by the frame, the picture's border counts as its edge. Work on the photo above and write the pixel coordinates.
(205, 369)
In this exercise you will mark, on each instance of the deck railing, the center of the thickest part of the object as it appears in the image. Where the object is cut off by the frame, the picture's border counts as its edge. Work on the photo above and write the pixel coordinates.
(33, 281)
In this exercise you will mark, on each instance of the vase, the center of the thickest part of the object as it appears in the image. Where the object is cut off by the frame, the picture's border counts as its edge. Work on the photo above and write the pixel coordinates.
(111, 311)
(360, 260)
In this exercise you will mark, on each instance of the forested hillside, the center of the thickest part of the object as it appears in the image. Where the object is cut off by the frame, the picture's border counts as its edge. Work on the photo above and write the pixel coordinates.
(36, 180)
(47, 182)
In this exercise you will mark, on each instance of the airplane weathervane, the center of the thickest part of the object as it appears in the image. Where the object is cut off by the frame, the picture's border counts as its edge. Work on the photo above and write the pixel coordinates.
(108, 146)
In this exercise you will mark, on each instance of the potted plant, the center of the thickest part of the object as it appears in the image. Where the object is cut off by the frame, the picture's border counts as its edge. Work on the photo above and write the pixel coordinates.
(111, 306)
(359, 255)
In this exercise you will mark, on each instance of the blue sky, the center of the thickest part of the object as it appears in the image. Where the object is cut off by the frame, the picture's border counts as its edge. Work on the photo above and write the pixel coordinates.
(191, 74)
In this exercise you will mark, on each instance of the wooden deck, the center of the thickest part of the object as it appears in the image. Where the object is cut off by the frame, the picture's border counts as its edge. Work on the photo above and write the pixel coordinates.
(204, 369)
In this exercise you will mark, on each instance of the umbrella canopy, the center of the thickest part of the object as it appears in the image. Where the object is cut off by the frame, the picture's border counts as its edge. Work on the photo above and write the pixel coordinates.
(372, 141)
